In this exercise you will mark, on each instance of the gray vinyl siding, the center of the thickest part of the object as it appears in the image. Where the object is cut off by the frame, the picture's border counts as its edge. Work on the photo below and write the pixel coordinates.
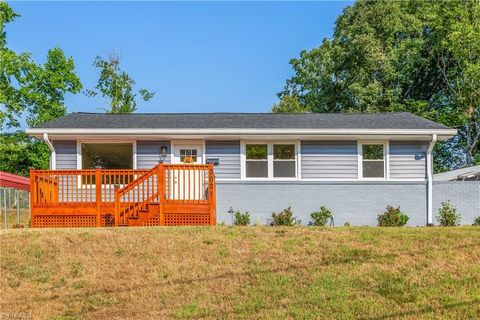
(408, 159)
(66, 154)
(329, 160)
(148, 153)
(228, 153)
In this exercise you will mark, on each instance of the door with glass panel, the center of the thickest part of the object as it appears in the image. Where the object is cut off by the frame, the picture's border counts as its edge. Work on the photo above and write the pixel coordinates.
(186, 183)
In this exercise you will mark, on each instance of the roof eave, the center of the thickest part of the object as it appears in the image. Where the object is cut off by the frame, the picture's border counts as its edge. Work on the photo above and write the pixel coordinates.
(442, 134)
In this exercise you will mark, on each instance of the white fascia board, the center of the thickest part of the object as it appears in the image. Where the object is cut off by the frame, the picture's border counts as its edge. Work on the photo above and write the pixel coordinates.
(447, 133)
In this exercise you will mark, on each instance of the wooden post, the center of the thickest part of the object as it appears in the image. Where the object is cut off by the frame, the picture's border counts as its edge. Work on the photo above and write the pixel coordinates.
(117, 205)
(98, 195)
(32, 198)
(212, 200)
(161, 193)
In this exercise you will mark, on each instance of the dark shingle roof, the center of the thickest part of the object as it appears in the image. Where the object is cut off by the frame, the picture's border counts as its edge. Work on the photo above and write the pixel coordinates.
(243, 121)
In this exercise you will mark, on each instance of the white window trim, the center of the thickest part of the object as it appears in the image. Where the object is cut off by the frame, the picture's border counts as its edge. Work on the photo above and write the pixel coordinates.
(243, 159)
(386, 159)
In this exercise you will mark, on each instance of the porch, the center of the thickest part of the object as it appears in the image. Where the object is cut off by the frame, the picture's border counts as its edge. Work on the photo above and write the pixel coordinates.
(165, 195)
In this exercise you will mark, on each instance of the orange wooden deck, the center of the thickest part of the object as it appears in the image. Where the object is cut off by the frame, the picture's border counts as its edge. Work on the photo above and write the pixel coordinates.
(165, 195)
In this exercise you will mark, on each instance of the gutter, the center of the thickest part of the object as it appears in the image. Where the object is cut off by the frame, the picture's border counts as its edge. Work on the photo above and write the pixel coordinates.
(237, 131)
(53, 155)
(430, 180)
(242, 133)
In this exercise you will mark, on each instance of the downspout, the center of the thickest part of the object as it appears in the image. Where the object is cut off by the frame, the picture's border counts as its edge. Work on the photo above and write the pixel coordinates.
(430, 180)
(53, 155)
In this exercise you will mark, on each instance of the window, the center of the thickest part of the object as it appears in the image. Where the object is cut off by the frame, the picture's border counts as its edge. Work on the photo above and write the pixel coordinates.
(270, 160)
(373, 160)
(107, 156)
(284, 160)
(256, 161)
(188, 155)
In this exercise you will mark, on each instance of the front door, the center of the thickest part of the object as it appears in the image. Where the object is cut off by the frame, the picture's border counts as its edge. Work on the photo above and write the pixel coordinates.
(187, 183)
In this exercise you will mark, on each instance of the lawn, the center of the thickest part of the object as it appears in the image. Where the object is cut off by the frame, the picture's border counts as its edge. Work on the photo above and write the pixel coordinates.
(12, 218)
(241, 273)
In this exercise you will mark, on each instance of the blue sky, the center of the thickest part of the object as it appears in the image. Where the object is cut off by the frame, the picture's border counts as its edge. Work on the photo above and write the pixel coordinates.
(196, 56)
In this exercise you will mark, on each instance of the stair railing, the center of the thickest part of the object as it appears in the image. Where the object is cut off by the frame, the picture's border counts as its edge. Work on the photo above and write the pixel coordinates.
(137, 195)
(173, 184)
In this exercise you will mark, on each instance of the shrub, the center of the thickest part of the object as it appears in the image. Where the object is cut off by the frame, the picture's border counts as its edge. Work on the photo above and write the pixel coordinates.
(447, 215)
(346, 224)
(241, 219)
(321, 217)
(284, 218)
(392, 217)
(476, 221)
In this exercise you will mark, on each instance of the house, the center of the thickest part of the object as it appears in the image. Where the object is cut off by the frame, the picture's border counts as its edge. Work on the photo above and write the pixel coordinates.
(206, 166)
(464, 174)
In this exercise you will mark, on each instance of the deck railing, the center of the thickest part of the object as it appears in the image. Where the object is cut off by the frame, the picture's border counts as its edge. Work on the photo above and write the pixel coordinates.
(121, 194)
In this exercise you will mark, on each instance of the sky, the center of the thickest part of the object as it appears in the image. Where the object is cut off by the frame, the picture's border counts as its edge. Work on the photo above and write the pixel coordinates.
(196, 56)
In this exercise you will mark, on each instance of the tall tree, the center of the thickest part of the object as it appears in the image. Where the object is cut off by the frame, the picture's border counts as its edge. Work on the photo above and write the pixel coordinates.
(116, 86)
(31, 91)
(411, 55)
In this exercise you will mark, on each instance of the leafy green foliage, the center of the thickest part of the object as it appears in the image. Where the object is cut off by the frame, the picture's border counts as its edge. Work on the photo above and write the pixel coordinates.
(320, 218)
(414, 56)
(33, 91)
(288, 104)
(241, 218)
(447, 215)
(476, 221)
(19, 152)
(284, 218)
(392, 217)
(116, 86)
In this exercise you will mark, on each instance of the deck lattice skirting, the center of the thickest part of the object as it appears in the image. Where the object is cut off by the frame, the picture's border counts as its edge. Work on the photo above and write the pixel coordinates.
(166, 195)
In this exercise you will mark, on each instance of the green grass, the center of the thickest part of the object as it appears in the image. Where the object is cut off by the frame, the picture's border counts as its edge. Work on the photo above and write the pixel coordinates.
(242, 273)
(12, 218)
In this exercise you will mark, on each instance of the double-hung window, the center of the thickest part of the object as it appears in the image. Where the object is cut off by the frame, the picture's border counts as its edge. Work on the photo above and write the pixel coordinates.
(256, 165)
(373, 160)
(284, 165)
(270, 160)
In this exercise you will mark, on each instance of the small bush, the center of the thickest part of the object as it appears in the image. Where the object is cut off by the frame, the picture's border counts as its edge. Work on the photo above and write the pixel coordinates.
(392, 217)
(447, 215)
(321, 217)
(346, 224)
(476, 221)
(241, 219)
(284, 218)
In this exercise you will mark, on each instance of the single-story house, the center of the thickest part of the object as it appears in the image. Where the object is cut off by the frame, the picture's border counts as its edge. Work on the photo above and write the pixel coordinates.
(354, 164)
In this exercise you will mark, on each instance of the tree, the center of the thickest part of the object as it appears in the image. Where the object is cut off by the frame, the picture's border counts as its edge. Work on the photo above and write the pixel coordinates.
(117, 86)
(415, 56)
(33, 91)
(288, 104)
